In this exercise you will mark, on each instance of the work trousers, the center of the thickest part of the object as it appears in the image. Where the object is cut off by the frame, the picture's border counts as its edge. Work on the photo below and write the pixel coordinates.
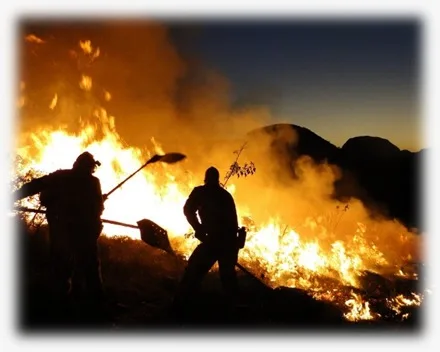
(199, 264)
(75, 261)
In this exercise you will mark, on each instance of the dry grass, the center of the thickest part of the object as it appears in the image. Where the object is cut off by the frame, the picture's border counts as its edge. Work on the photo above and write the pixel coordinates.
(140, 282)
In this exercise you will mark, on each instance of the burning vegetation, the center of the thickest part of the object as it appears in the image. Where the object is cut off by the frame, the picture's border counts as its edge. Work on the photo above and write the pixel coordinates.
(298, 235)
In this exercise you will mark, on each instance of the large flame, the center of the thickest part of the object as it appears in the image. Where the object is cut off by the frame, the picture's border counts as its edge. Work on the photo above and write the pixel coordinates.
(279, 254)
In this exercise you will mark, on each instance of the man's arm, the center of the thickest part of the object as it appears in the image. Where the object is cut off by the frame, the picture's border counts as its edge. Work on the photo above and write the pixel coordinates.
(190, 210)
(234, 217)
(99, 199)
(33, 187)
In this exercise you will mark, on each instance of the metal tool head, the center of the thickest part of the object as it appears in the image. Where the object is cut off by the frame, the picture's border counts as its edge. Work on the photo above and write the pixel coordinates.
(169, 158)
(154, 235)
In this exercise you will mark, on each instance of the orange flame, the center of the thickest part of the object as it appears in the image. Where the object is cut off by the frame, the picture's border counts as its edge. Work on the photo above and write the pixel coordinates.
(54, 101)
(87, 48)
(360, 310)
(400, 301)
(32, 38)
(283, 255)
(85, 83)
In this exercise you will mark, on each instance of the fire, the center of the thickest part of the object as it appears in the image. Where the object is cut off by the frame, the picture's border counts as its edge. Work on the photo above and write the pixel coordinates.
(107, 96)
(85, 83)
(87, 48)
(360, 310)
(54, 101)
(158, 203)
(21, 100)
(282, 254)
(400, 301)
(32, 38)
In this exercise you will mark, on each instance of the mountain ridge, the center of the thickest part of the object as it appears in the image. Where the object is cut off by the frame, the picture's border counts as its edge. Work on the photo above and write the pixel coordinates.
(386, 177)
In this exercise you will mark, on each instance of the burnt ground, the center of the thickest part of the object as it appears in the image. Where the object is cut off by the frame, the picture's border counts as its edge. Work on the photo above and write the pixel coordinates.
(140, 282)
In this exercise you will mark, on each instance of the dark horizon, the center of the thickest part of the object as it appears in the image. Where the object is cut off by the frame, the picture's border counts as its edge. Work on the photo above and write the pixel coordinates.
(340, 79)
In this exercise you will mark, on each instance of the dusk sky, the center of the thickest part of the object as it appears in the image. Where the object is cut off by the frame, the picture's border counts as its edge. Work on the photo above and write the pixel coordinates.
(338, 79)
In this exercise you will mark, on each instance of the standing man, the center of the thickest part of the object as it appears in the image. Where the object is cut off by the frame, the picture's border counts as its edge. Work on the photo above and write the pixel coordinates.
(217, 232)
(74, 204)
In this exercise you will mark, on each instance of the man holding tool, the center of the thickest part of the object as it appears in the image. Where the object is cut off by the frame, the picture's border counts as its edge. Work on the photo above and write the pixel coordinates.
(217, 232)
(74, 204)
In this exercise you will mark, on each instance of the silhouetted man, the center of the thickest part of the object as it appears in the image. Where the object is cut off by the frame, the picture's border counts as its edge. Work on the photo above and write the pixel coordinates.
(74, 204)
(218, 233)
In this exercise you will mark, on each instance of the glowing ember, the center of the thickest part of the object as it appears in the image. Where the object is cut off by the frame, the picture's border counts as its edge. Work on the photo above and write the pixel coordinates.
(85, 83)
(32, 38)
(87, 48)
(107, 96)
(53, 103)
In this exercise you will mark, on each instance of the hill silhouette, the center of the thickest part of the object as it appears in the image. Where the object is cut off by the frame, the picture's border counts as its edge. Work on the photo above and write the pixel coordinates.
(374, 170)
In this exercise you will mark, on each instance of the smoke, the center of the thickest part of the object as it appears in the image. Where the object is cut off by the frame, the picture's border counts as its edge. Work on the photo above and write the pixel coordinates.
(139, 78)
(302, 197)
(153, 91)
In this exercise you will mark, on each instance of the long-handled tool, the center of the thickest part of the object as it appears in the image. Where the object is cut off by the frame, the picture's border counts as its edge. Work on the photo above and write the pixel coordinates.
(151, 233)
(168, 158)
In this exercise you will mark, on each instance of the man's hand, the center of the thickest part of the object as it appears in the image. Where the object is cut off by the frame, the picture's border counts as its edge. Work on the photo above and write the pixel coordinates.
(201, 236)
(200, 233)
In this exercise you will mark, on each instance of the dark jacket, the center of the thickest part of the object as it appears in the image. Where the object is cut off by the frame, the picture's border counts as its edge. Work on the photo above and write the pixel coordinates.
(216, 209)
(69, 195)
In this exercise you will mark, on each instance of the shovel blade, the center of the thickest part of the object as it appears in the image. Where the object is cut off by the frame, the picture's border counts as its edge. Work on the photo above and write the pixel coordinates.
(169, 158)
(154, 235)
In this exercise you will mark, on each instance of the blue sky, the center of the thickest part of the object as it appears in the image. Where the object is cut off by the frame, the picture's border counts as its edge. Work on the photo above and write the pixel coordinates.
(339, 79)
